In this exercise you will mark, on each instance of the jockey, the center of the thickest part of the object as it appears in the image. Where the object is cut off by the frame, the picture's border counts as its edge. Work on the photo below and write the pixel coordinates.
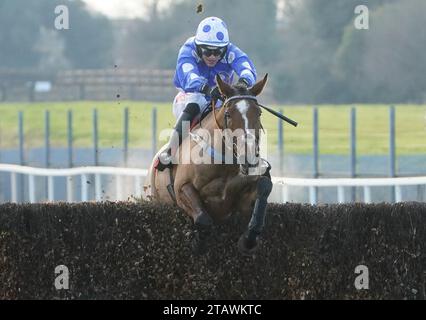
(200, 59)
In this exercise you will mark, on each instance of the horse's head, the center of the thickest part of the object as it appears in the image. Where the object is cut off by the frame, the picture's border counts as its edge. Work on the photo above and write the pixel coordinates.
(241, 115)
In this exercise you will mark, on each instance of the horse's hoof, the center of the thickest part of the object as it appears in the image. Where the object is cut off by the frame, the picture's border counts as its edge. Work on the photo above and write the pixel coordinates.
(247, 246)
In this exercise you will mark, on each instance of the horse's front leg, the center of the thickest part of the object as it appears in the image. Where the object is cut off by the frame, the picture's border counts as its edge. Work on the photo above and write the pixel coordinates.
(248, 240)
(189, 199)
(245, 190)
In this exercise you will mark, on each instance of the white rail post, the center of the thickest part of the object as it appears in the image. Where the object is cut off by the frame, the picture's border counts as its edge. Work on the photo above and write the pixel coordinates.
(312, 195)
(14, 187)
(50, 189)
(69, 189)
(398, 194)
(98, 187)
(31, 188)
(340, 194)
(84, 196)
(367, 194)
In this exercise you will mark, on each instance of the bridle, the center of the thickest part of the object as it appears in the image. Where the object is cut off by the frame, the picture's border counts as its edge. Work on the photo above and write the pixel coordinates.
(220, 156)
(227, 116)
(226, 112)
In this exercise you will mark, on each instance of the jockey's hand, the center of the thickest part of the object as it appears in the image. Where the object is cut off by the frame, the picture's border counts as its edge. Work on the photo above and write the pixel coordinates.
(243, 82)
(216, 95)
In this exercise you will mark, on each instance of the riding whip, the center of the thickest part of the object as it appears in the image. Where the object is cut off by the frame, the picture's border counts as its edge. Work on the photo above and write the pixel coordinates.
(279, 115)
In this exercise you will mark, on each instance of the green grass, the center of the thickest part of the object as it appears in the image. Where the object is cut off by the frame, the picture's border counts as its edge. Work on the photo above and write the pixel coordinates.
(372, 126)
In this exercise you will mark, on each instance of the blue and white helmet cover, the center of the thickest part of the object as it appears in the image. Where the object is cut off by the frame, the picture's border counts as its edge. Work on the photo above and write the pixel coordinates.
(212, 31)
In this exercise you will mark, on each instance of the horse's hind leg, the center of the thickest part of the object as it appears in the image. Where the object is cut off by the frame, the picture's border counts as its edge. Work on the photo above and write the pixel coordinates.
(189, 199)
(248, 241)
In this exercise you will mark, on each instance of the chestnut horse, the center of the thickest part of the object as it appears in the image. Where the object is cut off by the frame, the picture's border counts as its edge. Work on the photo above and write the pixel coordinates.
(211, 192)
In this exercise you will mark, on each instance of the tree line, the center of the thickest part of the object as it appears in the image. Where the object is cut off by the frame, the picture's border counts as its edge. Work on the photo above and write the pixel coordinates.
(311, 48)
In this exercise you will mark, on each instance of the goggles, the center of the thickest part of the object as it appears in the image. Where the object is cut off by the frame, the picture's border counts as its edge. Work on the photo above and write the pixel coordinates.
(208, 51)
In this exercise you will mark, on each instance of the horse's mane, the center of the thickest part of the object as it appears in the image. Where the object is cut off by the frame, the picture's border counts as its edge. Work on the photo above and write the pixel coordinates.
(241, 89)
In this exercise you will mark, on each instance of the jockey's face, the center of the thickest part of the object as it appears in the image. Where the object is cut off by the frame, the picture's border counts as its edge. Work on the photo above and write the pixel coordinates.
(211, 55)
(211, 61)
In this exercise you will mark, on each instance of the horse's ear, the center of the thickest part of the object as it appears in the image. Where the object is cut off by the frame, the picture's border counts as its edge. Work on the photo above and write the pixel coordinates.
(258, 87)
(224, 88)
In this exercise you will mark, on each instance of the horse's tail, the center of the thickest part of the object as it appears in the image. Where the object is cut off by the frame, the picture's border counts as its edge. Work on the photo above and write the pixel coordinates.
(157, 182)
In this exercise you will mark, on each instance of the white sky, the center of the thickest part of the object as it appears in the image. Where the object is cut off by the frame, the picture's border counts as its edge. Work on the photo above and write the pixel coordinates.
(122, 8)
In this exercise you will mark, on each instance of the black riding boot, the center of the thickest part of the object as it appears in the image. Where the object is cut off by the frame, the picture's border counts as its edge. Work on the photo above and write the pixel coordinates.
(188, 114)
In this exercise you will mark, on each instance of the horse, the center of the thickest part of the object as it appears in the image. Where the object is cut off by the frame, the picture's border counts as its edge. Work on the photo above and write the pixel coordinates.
(210, 193)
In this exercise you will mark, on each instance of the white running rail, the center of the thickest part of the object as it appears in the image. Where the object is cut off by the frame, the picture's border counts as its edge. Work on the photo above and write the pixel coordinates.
(340, 183)
(138, 174)
(83, 172)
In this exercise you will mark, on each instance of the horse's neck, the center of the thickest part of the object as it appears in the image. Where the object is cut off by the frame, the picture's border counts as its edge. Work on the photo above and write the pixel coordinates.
(209, 123)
